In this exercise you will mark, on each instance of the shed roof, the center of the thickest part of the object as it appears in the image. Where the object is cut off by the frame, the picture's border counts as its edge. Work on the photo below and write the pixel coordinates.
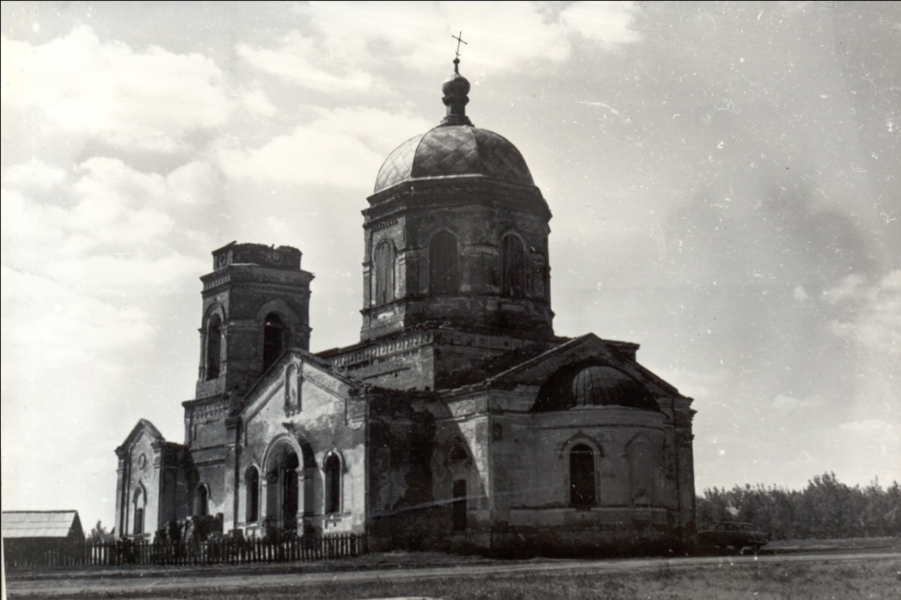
(39, 524)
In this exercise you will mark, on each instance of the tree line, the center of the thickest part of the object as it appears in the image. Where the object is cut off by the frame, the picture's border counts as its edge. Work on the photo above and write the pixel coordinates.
(826, 508)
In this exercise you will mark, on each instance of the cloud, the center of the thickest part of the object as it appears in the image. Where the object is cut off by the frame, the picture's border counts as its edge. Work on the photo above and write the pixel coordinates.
(609, 23)
(108, 91)
(306, 156)
(34, 175)
(104, 226)
(349, 42)
(343, 147)
(800, 294)
(378, 129)
(849, 288)
(46, 323)
(298, 60)
(256, 101)
(784, 405)
(197, 183)
(874, 314)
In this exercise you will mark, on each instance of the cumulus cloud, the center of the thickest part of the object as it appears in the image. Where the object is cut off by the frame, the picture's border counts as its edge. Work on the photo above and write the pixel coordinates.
(347, 42)
(107, 90)
(342, 147)
(306, 156)
(784, 404)
(256, 101)
(800, 294)
(49, 323)
(874, 313)
(378, 129)
(109, 225)
(197, 182)
(609, 23)
(299, 60)
(34, 175)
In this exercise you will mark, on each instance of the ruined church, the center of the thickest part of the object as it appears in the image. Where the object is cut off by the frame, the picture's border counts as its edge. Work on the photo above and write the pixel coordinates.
(460, 420)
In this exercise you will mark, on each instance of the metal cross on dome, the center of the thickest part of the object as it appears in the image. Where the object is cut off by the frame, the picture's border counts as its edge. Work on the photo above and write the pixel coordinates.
(459, 39)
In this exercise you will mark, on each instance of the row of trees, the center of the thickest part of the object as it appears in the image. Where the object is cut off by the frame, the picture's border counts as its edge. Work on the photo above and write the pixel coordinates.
(826, 508)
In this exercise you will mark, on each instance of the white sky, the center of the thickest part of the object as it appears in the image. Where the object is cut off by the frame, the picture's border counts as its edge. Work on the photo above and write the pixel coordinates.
(724, 181)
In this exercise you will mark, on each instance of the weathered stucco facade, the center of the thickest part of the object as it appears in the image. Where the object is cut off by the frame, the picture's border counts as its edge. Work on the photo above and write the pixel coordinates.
(460, 420)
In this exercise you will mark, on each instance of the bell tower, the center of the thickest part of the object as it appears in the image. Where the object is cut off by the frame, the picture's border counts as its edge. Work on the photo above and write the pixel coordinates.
(255, 306)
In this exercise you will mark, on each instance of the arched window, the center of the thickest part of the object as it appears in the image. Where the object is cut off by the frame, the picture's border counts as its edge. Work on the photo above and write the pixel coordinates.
(457, 456)
(641, 471)
(332, 485)
(513, 268)
(581, 477)
(213, 347)
(201, 501)
(139, 502)
(275, 339)
(252, 487)
(384, 273)
(444, 271)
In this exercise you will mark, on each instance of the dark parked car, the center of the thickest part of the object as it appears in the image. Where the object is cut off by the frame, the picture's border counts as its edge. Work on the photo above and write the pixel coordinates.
(733, 536)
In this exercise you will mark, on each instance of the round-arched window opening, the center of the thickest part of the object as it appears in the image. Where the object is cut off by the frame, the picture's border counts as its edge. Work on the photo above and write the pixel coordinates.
(513, 267)
(252, 488)
(384, 273)
(213, 347)
(582, 488)
(332, 485)
(457, 455)
(275, 339)
(201, 501)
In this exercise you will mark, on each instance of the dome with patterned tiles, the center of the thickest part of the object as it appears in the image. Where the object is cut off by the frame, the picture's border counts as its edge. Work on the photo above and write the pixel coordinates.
(454, 148)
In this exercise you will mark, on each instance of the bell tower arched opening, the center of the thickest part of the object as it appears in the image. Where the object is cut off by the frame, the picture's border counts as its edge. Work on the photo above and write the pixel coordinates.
(275, 339)
(213, 347)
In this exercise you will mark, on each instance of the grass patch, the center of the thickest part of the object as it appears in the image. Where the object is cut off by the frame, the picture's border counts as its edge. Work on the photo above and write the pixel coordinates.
(774, 580)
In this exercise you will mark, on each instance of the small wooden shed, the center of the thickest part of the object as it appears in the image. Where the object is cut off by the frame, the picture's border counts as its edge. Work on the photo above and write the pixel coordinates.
(42, 538)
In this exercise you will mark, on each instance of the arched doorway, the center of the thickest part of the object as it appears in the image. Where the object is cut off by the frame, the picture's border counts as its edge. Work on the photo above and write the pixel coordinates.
(282, 490)
(289, 474)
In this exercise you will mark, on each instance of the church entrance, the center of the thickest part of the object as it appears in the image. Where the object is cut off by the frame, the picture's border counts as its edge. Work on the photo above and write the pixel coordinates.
(290, 476)
(282, 489)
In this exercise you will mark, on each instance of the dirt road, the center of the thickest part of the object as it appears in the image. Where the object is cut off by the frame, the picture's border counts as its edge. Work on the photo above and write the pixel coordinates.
(173, 581)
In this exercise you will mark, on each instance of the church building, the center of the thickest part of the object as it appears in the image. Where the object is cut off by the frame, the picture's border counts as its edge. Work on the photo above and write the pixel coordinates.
(460, 420)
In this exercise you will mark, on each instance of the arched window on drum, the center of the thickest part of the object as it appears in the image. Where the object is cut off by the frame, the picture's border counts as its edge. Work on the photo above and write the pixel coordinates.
(513, 267)
(444, 269)
(384, 273)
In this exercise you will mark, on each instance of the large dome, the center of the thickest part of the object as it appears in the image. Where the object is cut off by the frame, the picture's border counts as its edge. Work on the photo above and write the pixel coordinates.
(453, 150)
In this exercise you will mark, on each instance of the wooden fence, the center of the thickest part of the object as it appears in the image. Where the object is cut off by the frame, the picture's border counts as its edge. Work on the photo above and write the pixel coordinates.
(223, 551)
